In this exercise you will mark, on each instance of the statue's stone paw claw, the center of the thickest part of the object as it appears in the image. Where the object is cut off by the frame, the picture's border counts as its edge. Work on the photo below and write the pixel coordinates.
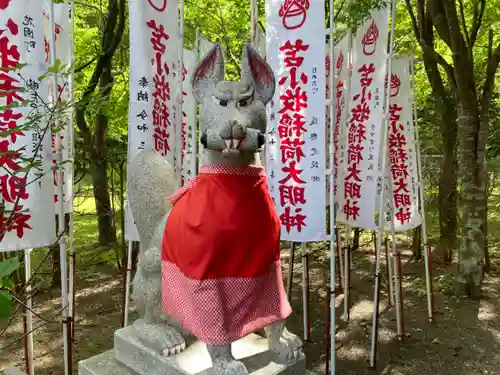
(175, 349)
(288, 348)
(229, 367)
(161, 337)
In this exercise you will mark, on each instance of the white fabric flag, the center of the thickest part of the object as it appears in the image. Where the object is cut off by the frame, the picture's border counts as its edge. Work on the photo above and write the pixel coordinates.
(63, 54)
(361, 179)
(154, 38)
(341, 69)
(188, 117)
(295, 148)
(402, 150)
(29, 217)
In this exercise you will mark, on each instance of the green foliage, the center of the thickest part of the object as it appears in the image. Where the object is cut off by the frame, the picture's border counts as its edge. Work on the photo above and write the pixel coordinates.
(7, 268)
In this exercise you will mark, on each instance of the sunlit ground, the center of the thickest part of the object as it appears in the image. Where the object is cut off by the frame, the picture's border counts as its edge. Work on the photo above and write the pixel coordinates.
(464, 341)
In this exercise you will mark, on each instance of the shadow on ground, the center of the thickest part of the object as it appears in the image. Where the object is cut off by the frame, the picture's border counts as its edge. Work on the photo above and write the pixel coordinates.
(464, 341)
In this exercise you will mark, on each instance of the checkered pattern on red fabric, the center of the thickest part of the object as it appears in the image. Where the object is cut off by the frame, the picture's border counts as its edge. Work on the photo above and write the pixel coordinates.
(217, 310)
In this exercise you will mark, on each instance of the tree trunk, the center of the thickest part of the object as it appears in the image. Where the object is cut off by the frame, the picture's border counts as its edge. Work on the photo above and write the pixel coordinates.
(56, 266)
(105, 214)
(355, 240)
(417, 243)
(472, 163)
(448, 191)
(104, 210)
(487, 260)
(95, 142)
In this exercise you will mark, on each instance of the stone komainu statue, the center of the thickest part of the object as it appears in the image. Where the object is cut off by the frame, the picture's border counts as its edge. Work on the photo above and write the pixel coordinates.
(209, 263)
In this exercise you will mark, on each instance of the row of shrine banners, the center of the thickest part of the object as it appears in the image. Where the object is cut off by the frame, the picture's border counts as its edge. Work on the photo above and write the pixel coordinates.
(27, 178)
(296, 152)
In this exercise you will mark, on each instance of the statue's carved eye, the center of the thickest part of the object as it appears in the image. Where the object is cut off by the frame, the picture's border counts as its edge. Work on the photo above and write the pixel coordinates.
(242, 103)
(223, 103)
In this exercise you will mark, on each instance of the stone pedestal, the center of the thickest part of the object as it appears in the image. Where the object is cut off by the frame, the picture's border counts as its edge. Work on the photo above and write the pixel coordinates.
(13, 371)
(131, 357)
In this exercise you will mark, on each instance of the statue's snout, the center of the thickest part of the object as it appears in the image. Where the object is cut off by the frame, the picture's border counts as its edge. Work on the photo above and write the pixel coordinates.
(233, 135)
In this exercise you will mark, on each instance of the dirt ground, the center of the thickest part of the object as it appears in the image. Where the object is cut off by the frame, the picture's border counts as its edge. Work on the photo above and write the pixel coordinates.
(464, 341)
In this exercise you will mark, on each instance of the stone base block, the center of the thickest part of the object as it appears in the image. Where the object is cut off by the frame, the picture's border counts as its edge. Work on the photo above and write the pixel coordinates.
(106, 364)
(103, 364)
(252, 350)
(13, 371)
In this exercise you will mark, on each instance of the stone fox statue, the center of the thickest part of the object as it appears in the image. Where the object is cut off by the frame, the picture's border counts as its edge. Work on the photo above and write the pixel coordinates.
(209, 261)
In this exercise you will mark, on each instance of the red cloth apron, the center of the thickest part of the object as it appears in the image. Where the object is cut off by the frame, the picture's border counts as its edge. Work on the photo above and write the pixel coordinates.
(221, 256)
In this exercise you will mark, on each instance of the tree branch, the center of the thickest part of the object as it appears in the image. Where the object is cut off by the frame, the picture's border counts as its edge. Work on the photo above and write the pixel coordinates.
(476, 22)
(464, 24)
(462, 59)
(423, 33)
(489, 80)
(109, 51)
(439, 20)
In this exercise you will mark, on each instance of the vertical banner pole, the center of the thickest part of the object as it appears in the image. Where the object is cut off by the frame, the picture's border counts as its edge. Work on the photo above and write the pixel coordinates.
(332, 190)
(72, 256)
(194, 130)
(180, 151)
(30, 366)
(347, 271)
(427, 253)
(388, 271)
(347, 248)
(394, 260)
(127, 283)
(338, 257)
(289, 279)
(380, 230)
(305, 291)
(60, 202)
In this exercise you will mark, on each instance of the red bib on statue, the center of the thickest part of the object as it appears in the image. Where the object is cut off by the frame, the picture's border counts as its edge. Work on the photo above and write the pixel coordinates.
(221, 255)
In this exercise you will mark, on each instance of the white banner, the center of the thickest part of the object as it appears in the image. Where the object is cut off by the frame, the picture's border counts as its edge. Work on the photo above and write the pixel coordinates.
(402, 149)
(341, 55)
(360, 169)
(63, 54)
(295, 154)
(29, 217)
(154, 38)
(188, 117)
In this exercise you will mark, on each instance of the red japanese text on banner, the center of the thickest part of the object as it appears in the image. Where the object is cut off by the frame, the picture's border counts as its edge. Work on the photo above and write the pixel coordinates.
(25, 176)
(63, 54)
(154, 38)
(402, 149)
(188, 116)
(341, 69)
(295, 148)
(360, 169)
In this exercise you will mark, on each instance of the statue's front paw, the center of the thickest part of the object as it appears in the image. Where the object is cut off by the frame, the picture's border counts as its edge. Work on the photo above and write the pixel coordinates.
(160, 337)
(288, 348)
(228, 367)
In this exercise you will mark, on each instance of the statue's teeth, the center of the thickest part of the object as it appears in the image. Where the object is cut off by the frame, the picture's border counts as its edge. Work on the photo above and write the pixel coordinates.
(229, 143)
(236, 143)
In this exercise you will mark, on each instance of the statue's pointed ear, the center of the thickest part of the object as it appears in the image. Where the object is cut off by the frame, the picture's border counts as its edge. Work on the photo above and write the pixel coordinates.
(256, 70)
(208, 73)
